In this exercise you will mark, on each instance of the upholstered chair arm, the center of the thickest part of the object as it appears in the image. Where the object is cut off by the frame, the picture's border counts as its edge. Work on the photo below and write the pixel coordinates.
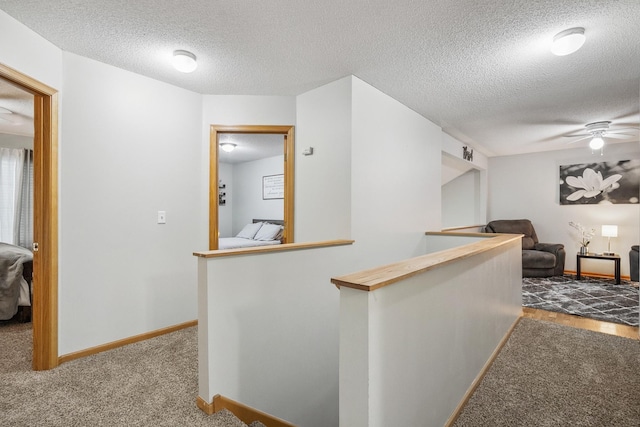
(549, 247)
(558, 250)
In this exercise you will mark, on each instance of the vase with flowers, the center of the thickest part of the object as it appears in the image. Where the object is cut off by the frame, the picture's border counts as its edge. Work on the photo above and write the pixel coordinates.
(586, 234)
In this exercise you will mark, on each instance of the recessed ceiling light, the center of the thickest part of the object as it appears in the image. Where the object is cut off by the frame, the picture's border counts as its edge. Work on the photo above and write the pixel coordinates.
(184, 61)
(568, 41)
(228, 147)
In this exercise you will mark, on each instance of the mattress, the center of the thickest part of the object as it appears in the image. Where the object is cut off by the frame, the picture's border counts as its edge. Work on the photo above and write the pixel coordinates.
(239, 242)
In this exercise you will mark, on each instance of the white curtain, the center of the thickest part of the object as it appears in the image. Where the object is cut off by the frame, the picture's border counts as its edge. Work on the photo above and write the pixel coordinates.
(16, 196)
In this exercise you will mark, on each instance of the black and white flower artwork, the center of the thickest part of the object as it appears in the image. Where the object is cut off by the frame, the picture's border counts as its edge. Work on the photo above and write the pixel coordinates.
(600, 183)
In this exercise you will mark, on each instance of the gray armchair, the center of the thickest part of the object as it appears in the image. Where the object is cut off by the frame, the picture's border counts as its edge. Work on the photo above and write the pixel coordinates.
(538, 259)
(633, 262)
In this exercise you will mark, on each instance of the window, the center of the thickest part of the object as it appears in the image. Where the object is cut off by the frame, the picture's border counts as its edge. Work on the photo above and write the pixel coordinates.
(16, 196)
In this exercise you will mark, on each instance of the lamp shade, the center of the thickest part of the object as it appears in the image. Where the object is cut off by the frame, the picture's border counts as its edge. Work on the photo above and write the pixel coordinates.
(610, 231)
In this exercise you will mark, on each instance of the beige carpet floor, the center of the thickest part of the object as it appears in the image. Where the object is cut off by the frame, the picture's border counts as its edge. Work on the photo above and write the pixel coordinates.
(545, 375)
(151, 383)
(555, 375)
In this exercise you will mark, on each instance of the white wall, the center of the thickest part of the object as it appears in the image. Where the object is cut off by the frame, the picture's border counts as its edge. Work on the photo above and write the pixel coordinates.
(247, 201)
(526, 186)
(453, 148)
(411, 350)
(16, 141)
(323, 180)
(225, 213)
(130, 146)
(29, 53)
(461, 200)
(238, 110)
(268, 332)
(383, 198)
(395, 177)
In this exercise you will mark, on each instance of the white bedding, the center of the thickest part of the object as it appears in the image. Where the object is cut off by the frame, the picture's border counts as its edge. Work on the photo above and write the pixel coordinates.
(239, 242)
(24, 299)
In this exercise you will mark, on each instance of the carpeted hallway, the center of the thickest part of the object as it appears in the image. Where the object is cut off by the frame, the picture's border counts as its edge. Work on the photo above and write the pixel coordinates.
(150, 383)
(545, 375)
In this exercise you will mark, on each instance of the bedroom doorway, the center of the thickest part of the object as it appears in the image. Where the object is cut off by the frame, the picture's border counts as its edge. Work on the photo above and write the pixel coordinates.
(218, 134)
(44, 311)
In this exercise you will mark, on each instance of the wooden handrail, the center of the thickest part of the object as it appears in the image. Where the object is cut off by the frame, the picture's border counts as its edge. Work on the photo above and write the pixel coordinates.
(272, 248)
(463, 227)
(378, 277)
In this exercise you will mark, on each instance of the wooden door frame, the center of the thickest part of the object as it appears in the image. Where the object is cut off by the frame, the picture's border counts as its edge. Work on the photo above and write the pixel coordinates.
(45, 217)
(289, 177)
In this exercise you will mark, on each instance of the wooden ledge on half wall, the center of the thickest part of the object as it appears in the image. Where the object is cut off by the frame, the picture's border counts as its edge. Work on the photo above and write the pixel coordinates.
(378, 277)
(274, 248)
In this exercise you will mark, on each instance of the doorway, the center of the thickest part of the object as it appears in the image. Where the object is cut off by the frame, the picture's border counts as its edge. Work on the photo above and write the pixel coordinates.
(45, 224)
(219, 131)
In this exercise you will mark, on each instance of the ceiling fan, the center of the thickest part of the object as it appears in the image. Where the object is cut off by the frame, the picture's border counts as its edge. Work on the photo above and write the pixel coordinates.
(5, 114)
(597, 131)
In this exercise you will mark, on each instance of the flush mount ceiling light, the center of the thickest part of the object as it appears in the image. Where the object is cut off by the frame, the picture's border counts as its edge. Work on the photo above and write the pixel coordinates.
(568, 41)
(228, 147)
(184, 61)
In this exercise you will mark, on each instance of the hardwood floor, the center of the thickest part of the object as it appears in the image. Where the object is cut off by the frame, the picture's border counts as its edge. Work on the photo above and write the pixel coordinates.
(582, 322)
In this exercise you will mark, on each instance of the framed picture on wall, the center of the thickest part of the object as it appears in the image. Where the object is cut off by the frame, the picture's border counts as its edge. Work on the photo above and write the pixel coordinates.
(616, 182)
(273, 187)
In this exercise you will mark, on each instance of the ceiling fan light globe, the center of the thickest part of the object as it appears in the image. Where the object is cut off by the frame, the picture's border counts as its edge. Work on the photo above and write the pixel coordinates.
(568, 41)
(596, 143)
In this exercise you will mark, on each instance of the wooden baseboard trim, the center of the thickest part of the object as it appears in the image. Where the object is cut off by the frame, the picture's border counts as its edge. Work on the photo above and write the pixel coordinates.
(115, 344)
(245, 413)
(476, 382)
(204, 406)
(597, 275)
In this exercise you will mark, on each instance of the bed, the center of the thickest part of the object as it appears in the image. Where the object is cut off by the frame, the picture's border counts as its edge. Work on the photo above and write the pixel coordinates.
(16, 270)
(260, 232)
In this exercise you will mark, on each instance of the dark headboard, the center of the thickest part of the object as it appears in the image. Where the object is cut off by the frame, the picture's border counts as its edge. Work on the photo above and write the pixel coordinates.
(270, 221)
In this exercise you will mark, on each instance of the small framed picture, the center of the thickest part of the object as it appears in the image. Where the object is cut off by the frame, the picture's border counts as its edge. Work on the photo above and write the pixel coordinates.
(273, 187)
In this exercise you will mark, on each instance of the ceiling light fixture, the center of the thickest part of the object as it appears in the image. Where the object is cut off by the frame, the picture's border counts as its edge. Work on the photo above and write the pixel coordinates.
(228, 147)
(568, 41)
(184, 61)
(596, 143)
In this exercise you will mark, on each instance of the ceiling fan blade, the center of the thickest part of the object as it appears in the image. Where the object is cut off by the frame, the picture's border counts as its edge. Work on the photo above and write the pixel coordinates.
(615, 130)
(573, 135)
(581, 139)
(619, 135)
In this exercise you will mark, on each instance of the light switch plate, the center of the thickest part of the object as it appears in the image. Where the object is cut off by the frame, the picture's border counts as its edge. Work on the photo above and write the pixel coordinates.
(162, 217)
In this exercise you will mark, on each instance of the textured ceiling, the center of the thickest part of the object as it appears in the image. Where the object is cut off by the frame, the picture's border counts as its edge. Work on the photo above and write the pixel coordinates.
(481, 70)
(20, 104)
(250, 147)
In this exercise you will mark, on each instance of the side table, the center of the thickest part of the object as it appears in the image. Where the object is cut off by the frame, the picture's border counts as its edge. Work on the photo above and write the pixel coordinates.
(615, 258)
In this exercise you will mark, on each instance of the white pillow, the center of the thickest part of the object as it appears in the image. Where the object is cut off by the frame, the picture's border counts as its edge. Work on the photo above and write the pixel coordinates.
(249, 230)
(267, 232)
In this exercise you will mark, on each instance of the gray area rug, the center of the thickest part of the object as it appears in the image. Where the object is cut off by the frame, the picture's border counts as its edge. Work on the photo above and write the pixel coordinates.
(150, 383)
(595, 298)
(555, 375)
